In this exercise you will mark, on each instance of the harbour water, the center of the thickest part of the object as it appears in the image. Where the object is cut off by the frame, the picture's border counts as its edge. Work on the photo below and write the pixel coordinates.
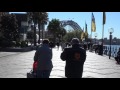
(114, 49)
(113, 46)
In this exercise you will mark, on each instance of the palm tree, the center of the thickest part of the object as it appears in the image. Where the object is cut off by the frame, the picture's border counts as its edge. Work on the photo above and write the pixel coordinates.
(62, 32)
(34, 16)
(54, 27)
(43, 18)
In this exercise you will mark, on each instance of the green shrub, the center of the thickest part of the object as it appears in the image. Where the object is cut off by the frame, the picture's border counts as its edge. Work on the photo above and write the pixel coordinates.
(12, 44)
(26, 41)
(4, 44)
(23, 44)
(18, 44)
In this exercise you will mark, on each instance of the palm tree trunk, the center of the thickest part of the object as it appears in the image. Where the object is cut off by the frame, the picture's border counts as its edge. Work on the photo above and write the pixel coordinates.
(42, 31)
(39, 33)
(34, 34)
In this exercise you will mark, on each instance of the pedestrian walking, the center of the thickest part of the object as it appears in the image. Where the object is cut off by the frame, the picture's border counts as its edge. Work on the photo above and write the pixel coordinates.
(63, 45)
(43, 56)
(75, 57)
(58, 45)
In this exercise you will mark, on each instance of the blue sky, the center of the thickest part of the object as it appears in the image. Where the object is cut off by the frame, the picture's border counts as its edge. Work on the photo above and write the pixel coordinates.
(112, 21)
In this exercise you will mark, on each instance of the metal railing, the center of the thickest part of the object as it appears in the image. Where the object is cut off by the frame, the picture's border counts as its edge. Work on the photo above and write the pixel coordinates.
(114, 50)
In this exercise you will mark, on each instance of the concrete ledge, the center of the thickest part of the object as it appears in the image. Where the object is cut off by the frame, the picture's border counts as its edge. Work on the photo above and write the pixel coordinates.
(26, 49)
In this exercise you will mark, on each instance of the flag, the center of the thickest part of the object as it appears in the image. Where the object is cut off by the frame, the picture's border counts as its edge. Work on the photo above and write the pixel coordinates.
(86, 33)
(82, 34)
(104, 18)
(93, 26)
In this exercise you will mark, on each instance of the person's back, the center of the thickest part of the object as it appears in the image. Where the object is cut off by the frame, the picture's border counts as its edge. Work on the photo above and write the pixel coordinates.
(75, 57)
(118, 56)
(118, 53)
(44, 58)
(44, 55)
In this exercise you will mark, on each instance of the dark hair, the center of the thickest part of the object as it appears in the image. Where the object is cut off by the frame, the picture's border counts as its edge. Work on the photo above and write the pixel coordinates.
(45, 41)
(75, 41)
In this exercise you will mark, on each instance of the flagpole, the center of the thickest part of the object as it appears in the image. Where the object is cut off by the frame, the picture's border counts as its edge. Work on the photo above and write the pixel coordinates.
(103, 32)
(91, 29)
(86, 33)
(91, 35)
(103, 35)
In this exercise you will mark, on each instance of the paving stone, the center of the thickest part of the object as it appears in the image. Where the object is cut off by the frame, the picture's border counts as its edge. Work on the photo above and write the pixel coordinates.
(16, 65)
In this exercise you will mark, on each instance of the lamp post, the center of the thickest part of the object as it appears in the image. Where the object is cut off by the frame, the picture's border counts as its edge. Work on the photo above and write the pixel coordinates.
(95, 37)
(111, 30)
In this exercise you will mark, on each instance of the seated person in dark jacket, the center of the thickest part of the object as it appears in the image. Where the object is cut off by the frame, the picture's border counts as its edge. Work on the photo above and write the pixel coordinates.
(118, 57)
(75, 57)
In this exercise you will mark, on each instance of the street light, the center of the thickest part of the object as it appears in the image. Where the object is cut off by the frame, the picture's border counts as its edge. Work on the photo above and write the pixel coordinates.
(111, 30)
(95, 37)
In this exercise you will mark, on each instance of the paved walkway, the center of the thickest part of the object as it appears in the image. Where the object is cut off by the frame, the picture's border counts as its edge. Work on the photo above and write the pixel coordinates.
(4, 54)
(16, 65)
(97, 66)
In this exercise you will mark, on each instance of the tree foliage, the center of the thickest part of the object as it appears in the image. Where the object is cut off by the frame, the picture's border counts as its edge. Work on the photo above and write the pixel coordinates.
(43, 19)
(74, 34)
(63, 31)
(54, 27)
(9, 27)
(37, 18)
(30, 35)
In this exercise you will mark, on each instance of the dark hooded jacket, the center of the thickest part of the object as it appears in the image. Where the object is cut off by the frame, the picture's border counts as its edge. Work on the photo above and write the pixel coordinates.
(75, 57)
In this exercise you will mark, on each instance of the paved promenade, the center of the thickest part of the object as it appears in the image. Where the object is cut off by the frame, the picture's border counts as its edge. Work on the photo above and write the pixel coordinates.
(17, 64)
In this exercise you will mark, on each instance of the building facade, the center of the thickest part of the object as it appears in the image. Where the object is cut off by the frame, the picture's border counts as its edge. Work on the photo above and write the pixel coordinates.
(23, 25)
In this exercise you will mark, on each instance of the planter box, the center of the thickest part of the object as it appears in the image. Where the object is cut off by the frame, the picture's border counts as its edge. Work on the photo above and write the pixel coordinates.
(16, 49)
